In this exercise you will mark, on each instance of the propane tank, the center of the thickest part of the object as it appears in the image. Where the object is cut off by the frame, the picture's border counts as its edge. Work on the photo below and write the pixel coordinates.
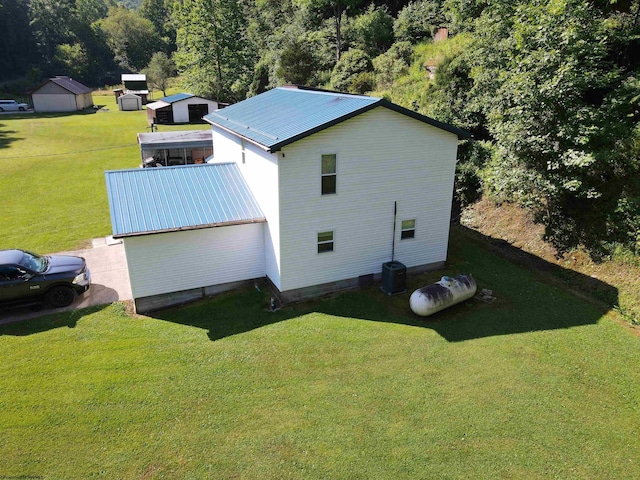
(448, 291)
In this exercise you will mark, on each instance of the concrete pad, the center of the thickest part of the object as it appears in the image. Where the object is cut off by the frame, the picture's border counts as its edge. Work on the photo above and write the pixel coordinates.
(109, 281)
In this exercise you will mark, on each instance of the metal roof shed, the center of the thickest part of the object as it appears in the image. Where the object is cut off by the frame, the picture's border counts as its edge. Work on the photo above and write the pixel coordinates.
(180, 108)
(187, 231)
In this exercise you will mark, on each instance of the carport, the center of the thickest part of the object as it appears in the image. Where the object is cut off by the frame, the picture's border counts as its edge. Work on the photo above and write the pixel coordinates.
(188, 231)
(175, 148)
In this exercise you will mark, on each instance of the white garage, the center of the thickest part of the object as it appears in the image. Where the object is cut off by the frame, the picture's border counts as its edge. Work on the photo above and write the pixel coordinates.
(188, 231)
(61, 94)
(181, 108)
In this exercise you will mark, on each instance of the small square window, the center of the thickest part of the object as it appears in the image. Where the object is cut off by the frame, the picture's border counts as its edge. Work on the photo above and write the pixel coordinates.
(408, 229)
(325, 242)
(328, 173)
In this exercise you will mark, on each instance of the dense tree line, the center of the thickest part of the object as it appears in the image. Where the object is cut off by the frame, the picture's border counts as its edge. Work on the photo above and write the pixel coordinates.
(549, 88)
(91, 40)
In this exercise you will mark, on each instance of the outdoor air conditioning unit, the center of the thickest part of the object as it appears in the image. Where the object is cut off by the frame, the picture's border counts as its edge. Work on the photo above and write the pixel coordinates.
(394, 278)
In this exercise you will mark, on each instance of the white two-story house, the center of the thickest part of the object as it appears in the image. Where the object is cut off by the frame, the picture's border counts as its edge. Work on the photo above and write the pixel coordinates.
(336, 185)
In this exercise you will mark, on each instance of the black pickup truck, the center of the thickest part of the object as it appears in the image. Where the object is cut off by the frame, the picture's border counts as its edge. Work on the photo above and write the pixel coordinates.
(30, 279)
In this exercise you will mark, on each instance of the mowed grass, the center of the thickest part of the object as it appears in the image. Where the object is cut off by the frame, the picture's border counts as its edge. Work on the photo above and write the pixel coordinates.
(538, 384)
(52, 187)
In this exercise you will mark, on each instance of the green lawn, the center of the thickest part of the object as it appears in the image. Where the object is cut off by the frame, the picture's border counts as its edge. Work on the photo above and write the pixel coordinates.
(537, 385)
(540, 384)
(52, 187)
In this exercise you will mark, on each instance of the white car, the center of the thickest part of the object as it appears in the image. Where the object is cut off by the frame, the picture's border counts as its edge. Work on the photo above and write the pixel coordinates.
(12, 106)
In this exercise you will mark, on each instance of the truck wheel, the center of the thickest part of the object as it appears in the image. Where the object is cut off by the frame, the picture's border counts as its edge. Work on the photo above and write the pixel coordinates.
(60, 296)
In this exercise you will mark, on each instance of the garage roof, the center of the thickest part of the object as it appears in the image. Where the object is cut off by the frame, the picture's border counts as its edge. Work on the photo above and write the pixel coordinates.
(68, 84)
(177, 97)
(157, 105)
(168, 199)
(284, 115)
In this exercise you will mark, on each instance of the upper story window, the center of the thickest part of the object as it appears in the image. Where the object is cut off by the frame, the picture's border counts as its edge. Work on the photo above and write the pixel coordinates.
(408, 229)
(243, 151)
(329, 175)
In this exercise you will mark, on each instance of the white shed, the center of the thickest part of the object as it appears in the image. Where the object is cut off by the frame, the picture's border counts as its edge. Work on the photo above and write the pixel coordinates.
(61, 94)
(180, 108)
(129, 101)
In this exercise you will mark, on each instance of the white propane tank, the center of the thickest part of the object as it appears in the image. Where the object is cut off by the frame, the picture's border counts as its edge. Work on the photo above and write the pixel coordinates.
(448, 291)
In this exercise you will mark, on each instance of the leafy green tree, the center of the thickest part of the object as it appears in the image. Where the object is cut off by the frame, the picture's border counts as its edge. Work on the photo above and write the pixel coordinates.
(346, 75)
(418, 21)
(72, 59)
(296, 63)
(213, 52)
(89, 11)
(51, 22)
(132, 39)
(392, 64)
(375, 30)
(159, 71)
(159, 12)
(550, 86)
(18, 50)
(334, 9)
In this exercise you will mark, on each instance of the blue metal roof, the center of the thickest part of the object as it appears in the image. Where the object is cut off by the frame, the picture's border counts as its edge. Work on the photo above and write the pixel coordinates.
(167, 199)
(281, 116)
(176, 97)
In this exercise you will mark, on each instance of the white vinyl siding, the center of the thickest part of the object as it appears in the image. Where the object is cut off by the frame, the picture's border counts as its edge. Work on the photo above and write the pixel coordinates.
(384, 157)
(325, 242)
(181, 108)
(407, 229)
(261, 173)
(329, 174)
(176, 261)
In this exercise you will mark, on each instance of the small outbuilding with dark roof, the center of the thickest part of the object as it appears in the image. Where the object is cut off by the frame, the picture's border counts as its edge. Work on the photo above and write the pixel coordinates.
(61, 94)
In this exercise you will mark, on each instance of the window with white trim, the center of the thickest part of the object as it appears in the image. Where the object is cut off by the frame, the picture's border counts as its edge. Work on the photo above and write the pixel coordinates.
(408, 229)
(329, 174)
(243, 151)
(325, 242)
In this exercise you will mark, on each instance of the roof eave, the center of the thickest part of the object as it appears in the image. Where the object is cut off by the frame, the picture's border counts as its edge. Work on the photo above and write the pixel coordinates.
(461, 133)
(266, 148)
(191, 227)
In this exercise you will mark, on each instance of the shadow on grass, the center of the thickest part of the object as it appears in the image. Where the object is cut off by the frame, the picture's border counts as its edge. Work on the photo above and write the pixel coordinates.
(47, 320)
(7, 137)
(531, 295)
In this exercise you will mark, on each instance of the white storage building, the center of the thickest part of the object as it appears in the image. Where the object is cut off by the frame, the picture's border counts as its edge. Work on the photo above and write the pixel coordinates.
(61, 94)
(180, 108)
